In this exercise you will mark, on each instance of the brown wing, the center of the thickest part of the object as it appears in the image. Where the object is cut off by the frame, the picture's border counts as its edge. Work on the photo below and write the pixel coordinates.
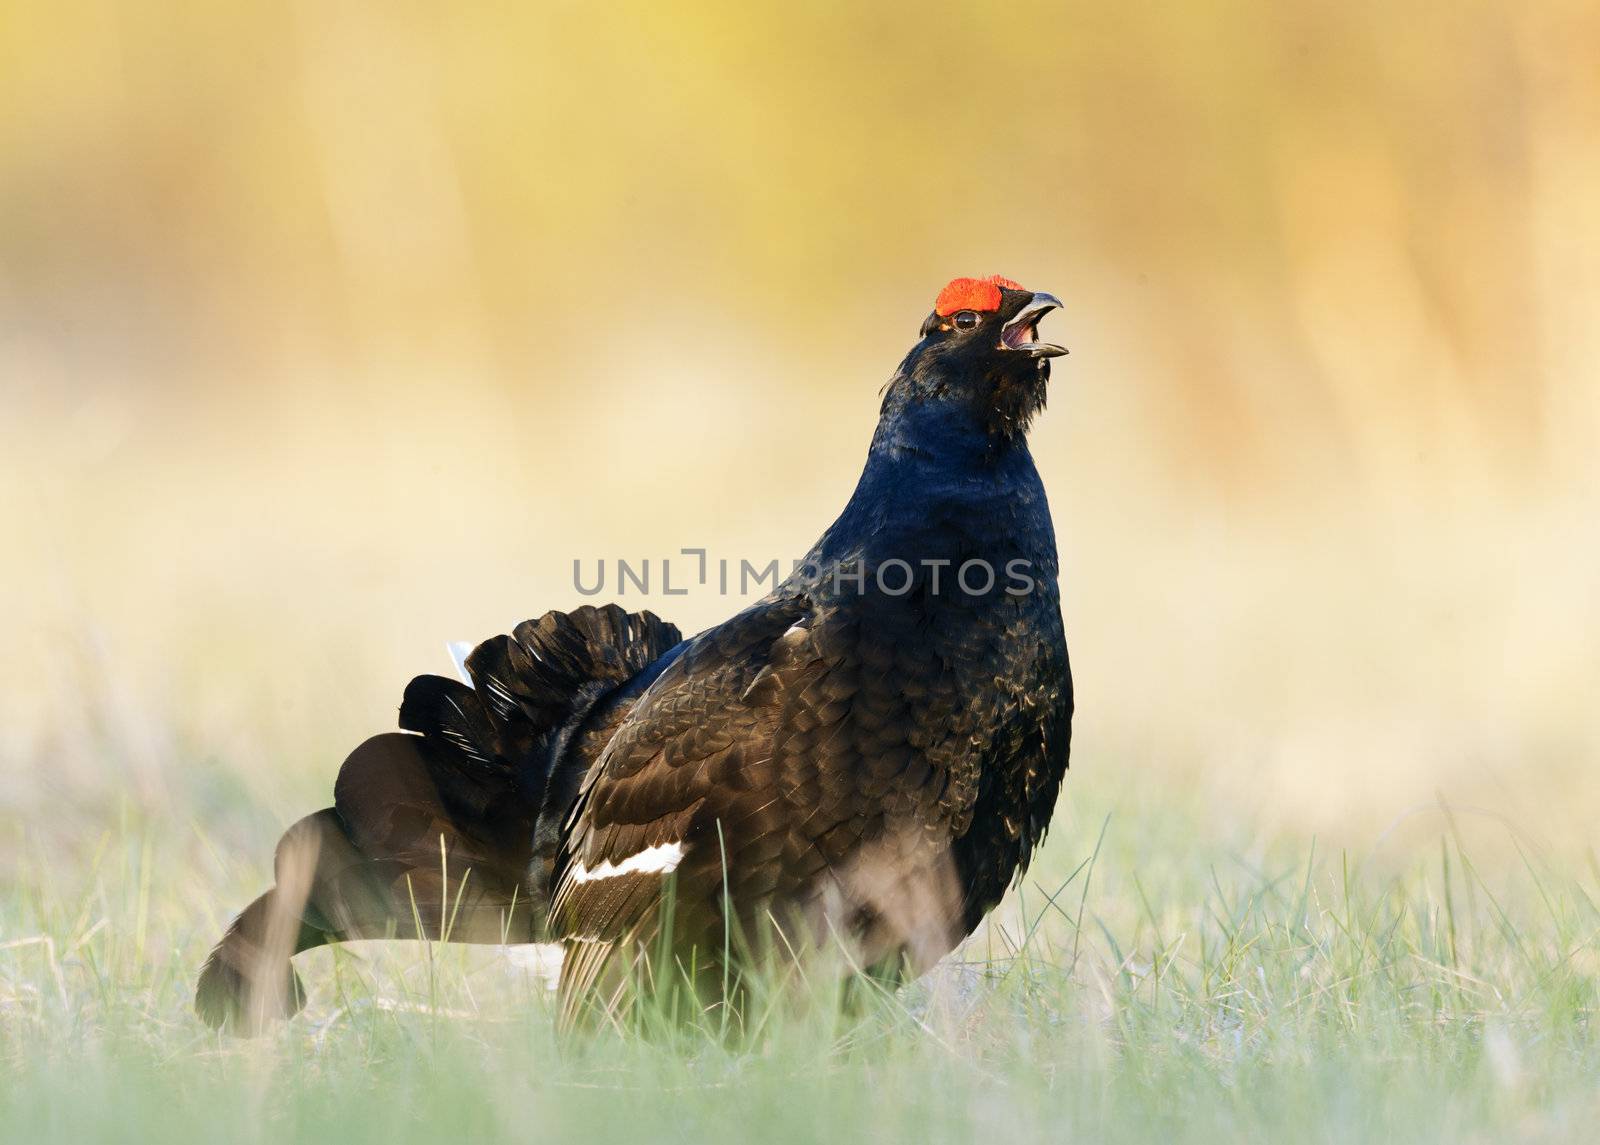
(797, 754)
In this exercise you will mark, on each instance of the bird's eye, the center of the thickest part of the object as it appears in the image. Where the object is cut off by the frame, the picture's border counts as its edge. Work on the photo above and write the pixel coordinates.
(965, 319)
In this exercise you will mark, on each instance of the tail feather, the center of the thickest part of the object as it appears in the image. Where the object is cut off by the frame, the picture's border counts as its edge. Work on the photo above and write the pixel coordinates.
(245, 984)
(432, 833)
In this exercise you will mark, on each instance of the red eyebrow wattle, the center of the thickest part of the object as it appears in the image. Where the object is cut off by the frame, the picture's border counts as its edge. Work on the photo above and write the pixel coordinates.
(972, 294)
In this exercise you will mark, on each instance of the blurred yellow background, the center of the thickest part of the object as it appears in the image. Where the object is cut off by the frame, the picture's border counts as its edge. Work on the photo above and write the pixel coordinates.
(330, 331)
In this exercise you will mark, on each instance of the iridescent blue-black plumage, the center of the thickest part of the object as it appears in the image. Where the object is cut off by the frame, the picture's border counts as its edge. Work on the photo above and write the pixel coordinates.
(867, 756)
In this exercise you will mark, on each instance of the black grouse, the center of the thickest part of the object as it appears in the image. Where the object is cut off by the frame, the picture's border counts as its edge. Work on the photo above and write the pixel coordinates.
(863, 760)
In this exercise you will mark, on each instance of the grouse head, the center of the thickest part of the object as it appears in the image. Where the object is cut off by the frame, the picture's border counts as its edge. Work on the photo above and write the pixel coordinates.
(980, 353)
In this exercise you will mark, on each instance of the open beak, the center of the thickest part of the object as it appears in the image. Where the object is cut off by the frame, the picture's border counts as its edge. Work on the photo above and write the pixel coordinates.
(1022, 332)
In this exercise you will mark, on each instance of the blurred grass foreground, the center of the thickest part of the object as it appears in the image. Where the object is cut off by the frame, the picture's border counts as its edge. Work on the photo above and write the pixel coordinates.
(330, 332)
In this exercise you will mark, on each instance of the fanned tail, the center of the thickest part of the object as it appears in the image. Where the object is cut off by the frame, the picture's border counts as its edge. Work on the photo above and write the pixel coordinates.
(432, 834)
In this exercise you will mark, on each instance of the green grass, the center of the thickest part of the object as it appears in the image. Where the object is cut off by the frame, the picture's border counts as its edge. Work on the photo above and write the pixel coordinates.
(1186, 979)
